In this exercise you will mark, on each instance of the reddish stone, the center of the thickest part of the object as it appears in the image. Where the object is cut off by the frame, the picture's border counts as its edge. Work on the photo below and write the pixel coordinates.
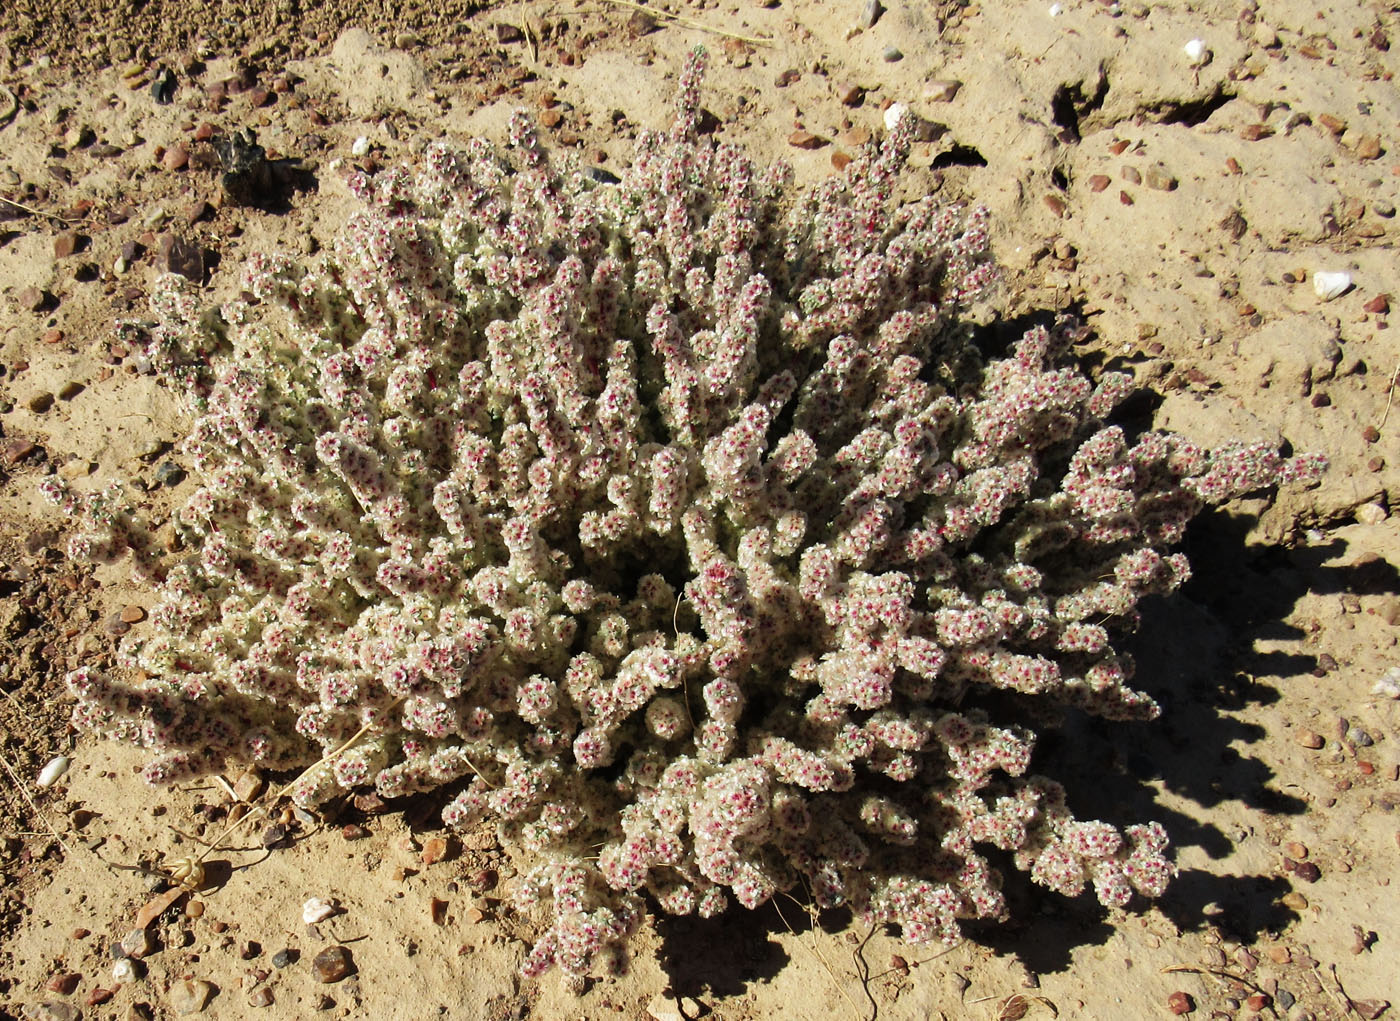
(1379, 305)
(63, 984)
(434, 850)
(1055, 204)
(1098, 183)
(803, 139)
(1333, 124)
(99, 995)
(840, 160)
(1180, 1003)
(175, 158)
(65, 244)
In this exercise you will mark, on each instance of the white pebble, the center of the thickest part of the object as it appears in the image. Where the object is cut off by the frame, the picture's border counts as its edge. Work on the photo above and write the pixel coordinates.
(1389, 684)
(1331, 285)
(316, 910)
(361, 146)
(124, 972)
(53, 769)
(893, 113)
(1056, 10)
(1197, 52)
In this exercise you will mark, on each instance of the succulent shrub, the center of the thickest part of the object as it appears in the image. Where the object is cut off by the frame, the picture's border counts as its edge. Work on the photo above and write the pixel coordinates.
(677, 525)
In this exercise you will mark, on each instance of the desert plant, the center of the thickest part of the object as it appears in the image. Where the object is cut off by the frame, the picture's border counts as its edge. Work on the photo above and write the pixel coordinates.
(679, 523)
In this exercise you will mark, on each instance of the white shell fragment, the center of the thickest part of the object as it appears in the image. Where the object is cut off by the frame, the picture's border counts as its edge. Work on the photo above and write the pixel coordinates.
(893, 113)
(1056, 10)
(53, 769)
(316, 910)
(1197, 52)
(360, 146)
(1331, 285)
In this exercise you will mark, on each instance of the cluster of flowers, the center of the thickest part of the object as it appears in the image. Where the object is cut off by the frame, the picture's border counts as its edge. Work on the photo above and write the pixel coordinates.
(678, 524)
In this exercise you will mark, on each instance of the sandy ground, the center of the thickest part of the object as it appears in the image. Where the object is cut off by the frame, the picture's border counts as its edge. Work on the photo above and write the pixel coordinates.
(1181, 206)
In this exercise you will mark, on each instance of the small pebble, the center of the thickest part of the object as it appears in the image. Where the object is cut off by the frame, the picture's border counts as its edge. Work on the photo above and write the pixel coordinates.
(1180, 1003)
(190, 996)
(332, 964)
(124, 973)
(942, 90)
(40, 402)
(63, 984)
(274, 836)
(1309, 739)
(891, 54)
(1159, 179)
(316, 910)
(434, 850)
(138, 943)
(1379, 305)
(176, 158)
(99, 996)
(1294, 901)
(285, 957)
(360, 147)
(260, 997)
(65, 244)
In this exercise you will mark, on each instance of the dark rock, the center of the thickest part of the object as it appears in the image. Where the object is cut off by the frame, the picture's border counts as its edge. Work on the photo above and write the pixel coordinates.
(285, 957)
(163, 88)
